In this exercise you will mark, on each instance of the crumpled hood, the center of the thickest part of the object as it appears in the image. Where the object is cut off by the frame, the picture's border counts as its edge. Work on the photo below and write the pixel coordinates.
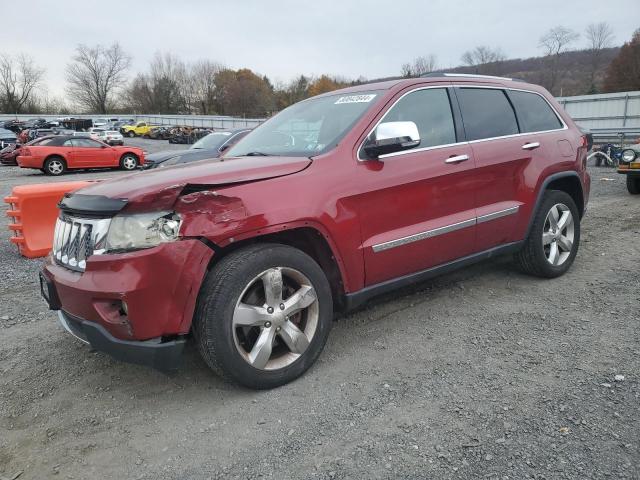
(159, 188)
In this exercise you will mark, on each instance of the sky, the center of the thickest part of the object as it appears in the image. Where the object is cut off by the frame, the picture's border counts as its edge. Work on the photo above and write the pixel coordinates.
(284, 38)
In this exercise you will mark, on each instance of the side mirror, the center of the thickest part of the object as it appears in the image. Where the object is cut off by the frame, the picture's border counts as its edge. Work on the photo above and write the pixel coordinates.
(391, 137)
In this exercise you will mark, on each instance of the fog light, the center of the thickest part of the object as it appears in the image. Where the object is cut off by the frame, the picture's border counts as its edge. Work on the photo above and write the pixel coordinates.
(124, 309)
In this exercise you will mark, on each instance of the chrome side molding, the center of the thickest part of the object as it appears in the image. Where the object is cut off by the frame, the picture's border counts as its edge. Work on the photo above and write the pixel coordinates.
(381, 247)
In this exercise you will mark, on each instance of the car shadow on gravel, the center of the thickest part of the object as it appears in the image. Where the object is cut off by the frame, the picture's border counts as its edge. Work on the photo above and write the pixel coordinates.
(194, 370)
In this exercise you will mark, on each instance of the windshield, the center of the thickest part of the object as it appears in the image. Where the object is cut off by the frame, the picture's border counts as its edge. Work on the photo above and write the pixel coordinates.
(213, 141)
(310, 127)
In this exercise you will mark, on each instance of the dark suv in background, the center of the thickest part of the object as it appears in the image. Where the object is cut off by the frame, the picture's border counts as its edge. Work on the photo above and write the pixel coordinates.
(336, 199)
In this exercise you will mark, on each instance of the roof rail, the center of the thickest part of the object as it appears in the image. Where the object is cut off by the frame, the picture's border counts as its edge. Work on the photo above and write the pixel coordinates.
(470, 75)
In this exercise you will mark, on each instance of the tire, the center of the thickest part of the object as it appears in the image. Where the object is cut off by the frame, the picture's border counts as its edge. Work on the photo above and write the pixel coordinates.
(545, 253)
(231, 351)
(54, 166)
(128, 162)
(633, 184)
(131, 134)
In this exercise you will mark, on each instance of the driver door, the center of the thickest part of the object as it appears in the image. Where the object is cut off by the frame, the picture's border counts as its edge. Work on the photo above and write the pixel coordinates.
(88, 153)
(417, 206)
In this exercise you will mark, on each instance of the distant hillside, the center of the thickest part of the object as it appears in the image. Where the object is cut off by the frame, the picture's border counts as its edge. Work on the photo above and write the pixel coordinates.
(576, 67)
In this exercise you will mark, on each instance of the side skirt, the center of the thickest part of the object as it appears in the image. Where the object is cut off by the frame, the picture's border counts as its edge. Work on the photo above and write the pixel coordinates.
(357, 299)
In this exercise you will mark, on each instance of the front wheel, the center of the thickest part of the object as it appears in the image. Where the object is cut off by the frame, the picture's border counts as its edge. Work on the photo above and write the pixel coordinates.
(263, 315)
(131, 134)
(128, 162)
(554, 237)
(633, 184)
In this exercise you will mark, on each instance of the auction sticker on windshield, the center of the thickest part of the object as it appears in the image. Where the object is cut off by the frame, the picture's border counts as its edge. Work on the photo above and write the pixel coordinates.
(356, 99)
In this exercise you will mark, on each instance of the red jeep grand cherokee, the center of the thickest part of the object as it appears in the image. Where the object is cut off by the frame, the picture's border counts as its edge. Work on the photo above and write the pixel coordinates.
(336, 199)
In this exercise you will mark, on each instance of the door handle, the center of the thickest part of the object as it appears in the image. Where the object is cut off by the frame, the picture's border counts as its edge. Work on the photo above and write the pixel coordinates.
(457, 159)
(530, 146)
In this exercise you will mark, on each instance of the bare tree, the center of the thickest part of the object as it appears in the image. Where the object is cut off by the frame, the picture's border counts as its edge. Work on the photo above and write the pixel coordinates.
(420, 66)
(483, 58)
(96, 74)
(554, 43)
(599, 37)
(19, 76)
(203, 82)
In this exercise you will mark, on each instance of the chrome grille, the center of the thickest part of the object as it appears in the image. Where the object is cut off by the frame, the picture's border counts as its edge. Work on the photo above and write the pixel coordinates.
(76, 239)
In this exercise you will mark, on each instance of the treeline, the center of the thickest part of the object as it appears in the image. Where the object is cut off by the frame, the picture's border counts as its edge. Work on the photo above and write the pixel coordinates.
(99, 79)
(206, 88)
(563, 69)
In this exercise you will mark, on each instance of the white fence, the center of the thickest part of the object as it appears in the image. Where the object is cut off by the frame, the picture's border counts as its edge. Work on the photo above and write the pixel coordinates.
(609, 116)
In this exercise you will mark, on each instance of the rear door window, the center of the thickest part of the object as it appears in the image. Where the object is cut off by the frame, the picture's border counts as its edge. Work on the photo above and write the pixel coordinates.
(486, 113)
(534, 113)
(430, 110)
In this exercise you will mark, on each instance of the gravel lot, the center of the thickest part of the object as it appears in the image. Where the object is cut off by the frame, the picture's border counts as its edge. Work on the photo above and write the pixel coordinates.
(484, 373)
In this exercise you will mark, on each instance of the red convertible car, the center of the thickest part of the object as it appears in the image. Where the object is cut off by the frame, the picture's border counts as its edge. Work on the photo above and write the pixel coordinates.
(58, 154)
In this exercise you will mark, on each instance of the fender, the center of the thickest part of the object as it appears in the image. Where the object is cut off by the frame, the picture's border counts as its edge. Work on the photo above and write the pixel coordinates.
(220, 244)
(543, 188)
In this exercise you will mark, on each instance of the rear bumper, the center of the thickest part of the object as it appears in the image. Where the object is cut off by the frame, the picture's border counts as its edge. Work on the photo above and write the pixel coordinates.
(160, 355)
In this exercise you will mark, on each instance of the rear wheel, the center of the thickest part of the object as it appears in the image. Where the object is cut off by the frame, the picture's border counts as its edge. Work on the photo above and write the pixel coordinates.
(554, 238)
(263, 315)
(54, 166)
(633, 184)
(128, 161)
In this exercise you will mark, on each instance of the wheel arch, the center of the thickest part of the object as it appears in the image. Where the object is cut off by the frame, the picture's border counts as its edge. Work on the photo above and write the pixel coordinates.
(129, 152)
(568, 182)
(305, 237)
(55, 155)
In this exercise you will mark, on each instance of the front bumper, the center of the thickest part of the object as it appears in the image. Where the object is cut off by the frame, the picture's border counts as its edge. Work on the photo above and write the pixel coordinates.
(633, 169)
(164, 356)
(135, 296)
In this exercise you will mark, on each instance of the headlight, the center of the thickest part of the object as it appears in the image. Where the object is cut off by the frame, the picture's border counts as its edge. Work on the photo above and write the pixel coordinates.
(144, 230)
(628, 156)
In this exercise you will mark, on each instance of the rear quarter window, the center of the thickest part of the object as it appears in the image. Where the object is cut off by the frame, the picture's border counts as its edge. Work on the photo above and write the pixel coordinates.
(486, 113)
(534, 113)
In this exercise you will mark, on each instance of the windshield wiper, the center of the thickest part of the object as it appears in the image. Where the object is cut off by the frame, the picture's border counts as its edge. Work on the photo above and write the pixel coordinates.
(257, 154)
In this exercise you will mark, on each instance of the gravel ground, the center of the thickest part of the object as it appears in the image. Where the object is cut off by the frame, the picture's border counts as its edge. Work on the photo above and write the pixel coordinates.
(484, 373)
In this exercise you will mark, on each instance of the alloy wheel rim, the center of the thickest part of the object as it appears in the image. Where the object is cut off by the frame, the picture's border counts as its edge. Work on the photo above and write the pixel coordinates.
(275, 318)
(558, 234)
(55, 167)
(129, 163)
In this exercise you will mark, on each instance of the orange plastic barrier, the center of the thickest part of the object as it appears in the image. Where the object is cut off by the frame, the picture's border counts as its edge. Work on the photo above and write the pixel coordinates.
(34, 210)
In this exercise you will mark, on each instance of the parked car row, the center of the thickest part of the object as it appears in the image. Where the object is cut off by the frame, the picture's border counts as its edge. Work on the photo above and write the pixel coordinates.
(175, 134)
(96, 149)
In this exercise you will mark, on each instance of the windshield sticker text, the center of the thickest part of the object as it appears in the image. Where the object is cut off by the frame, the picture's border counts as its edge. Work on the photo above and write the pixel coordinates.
(356, 99)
